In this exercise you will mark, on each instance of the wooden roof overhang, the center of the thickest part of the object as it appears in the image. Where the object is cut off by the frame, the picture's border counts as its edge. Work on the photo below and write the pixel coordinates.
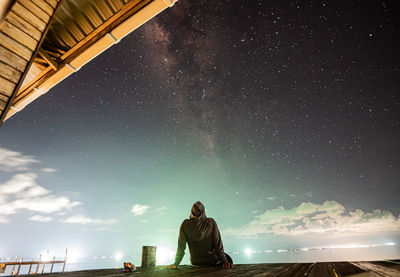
(44, 41)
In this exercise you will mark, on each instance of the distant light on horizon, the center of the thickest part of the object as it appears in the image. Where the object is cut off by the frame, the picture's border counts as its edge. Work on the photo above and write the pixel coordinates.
(390, 243)
(248, 251)
(354, 245)
(118, 256)
(164, 255)
(74, 253)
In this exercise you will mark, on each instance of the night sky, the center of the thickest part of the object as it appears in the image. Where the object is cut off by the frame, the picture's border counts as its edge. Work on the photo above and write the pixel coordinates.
(282, 117)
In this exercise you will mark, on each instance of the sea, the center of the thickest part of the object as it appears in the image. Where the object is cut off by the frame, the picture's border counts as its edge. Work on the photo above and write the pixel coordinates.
(359, 253)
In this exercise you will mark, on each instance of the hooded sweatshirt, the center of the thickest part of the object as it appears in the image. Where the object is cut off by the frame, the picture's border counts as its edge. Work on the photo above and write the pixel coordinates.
(203, 237)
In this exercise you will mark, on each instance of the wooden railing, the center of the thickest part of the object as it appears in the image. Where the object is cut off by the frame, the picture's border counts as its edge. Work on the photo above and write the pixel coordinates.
(15, 271)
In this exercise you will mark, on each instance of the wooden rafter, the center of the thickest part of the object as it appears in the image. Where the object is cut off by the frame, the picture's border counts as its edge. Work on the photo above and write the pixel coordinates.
(19, 48)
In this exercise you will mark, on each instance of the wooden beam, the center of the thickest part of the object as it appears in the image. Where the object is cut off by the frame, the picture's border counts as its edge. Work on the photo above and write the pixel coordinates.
(117, 18)
(129, 9)
(119, 25)
(21, 79)
(48, 59)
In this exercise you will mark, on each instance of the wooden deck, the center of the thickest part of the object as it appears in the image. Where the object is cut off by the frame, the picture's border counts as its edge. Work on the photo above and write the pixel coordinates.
(335, 269)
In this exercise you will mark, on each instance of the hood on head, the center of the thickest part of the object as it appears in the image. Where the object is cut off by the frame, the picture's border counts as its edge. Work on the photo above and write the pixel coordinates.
(198, 211)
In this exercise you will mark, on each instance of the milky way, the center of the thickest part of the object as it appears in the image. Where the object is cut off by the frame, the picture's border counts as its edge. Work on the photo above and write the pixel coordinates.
(283, 118)
(311, 87)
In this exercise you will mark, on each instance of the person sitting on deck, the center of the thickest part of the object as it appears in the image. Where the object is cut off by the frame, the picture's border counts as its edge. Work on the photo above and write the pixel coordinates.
(204, 240)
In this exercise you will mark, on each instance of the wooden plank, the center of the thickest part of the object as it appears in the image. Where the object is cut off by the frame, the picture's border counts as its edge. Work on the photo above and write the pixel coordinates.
(259, 270)
(379, 270)
(53, 51)
(4, 97)
(84, 23)
(62, 33)
(34, 262)
(255, 270)
(44, 6)
(52, 3)
(102, 9)
(272, 270)
(55, 42)
(183, 271)
(75, 14)
(6, 86)
(127, 10)
(28, 16)
(9, 72)
(35, 9)
(91, 14)
(387, 263)
(18, 35)
(2, 104)
(23, 25)
(116, 5)
(297, 270)
(346, 269)
(10, 102)
(74, 29)
(321, 269)
(12, 59)
(15, 46)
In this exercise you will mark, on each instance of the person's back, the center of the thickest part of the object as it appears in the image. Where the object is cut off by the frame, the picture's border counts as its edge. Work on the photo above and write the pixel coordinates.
(201, 239)
(204, 240)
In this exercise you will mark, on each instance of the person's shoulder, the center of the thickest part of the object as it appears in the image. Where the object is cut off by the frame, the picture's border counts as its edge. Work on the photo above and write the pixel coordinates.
(185, 221)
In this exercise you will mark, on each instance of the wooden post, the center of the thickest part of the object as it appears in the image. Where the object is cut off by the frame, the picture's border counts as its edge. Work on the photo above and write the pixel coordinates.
(52, 264)
(30, 267)
(44, 264)
(12, 270)
(65, 259)
(37, 268)
(19, 267)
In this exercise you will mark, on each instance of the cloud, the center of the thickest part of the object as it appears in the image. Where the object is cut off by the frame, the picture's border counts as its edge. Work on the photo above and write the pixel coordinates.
(328, 217)
(49, 170)
(34, 191)
(40, 218)
(139, 209)
(22, 193)
(14, 161)
(161, 210)
(82, 219)
(18, 183)
(4, 219)
(108, 229)
(47, 204)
